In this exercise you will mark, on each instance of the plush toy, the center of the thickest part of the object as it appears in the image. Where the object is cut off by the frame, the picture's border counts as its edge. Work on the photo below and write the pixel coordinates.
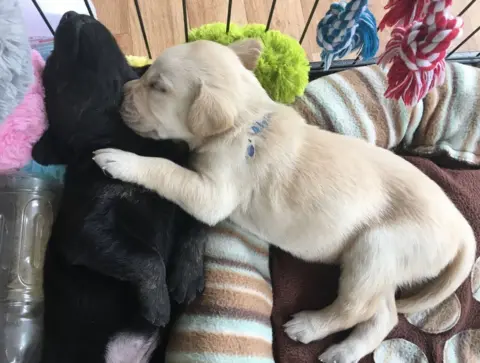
(15, 62)
(136, 61)
(24, 126)
(283, 67)
(347, 27)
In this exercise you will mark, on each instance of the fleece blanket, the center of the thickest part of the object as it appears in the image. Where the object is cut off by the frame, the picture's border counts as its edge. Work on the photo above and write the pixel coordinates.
(15, 63)
(230, 322)
(446, 121)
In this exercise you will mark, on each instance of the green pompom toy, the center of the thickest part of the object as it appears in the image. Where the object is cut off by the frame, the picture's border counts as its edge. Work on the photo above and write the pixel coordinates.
(283, 66)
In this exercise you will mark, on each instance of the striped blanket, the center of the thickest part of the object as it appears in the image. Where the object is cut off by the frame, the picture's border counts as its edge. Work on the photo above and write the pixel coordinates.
(446, 121)
(230, 322)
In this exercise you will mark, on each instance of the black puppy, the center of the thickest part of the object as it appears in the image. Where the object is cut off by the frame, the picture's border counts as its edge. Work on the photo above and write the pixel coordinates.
(114, 246)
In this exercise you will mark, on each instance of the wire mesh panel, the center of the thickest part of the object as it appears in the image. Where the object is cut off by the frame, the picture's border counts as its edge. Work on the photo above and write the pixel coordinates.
(317, 66)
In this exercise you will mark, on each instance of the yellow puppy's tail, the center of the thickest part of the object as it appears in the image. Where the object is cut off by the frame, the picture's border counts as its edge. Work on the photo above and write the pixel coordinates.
(445, 284)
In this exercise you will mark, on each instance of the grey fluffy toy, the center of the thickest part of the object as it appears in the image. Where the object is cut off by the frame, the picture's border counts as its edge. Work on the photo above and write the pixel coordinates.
(16, 73)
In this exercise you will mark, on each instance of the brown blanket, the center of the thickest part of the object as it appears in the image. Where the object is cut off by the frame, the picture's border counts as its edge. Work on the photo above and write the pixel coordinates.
(443, 332)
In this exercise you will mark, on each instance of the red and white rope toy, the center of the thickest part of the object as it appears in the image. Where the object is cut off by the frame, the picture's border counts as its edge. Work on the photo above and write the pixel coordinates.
(418, 47)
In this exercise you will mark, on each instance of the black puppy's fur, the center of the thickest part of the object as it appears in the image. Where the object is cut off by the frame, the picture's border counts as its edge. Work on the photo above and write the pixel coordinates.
(113, 245)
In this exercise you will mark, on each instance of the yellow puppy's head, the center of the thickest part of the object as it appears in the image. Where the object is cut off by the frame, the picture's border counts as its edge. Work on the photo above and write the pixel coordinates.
(193, 91)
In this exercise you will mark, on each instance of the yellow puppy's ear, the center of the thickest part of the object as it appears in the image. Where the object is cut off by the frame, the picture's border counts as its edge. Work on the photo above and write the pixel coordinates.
(211, 113)
(249, 51)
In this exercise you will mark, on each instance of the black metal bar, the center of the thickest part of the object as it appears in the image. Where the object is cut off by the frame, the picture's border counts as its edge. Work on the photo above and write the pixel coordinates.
(45, 20)
(464, 10)
(89, 9)
(142, 27)
(309, 21)
(185, 19)
(270, 15)
(229, 14)
(317, 71)
(464, 41)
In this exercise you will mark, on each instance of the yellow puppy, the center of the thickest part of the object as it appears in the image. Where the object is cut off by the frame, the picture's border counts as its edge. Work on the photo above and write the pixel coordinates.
(318, 195)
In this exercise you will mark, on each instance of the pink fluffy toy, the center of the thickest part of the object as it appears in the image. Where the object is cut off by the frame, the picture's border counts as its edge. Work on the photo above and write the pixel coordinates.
(24, 126)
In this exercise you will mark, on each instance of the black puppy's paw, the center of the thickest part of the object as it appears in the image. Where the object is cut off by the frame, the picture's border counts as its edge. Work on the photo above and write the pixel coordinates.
(186, 282)
(185, 276)
(155, 303)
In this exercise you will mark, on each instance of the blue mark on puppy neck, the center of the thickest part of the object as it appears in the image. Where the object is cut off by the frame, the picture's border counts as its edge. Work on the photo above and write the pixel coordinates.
(250, 149)
(255, 129)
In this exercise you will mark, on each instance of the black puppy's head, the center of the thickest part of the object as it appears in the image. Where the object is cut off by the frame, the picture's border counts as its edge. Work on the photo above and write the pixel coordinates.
(83, 80)
(84, 44)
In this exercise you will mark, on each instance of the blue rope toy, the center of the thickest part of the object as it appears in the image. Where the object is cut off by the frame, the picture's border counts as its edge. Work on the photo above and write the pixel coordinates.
(347, 27)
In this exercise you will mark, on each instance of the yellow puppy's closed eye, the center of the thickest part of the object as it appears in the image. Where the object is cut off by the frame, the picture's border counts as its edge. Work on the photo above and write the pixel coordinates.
(158, 86)
(158, 82)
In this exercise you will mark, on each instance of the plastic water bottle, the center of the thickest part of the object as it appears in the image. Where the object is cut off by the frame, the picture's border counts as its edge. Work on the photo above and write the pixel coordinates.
(27, 210)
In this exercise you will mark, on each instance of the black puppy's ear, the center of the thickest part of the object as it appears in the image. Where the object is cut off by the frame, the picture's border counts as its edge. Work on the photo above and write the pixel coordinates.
(141, 70)
(44, 151)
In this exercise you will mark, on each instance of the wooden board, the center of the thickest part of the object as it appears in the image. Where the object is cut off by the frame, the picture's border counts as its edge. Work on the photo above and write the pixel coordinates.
(164, 20)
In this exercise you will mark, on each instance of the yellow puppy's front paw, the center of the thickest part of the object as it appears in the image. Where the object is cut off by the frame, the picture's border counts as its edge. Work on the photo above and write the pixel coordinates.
(341, 353)
(118, 164)
(301, 328)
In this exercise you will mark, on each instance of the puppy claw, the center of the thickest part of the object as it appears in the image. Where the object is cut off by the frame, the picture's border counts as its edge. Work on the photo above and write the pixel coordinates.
(184, 291)
(118, 164)
(302, 328)
(107, 174)
(102, 151)
(155, 302)
(339, 353)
